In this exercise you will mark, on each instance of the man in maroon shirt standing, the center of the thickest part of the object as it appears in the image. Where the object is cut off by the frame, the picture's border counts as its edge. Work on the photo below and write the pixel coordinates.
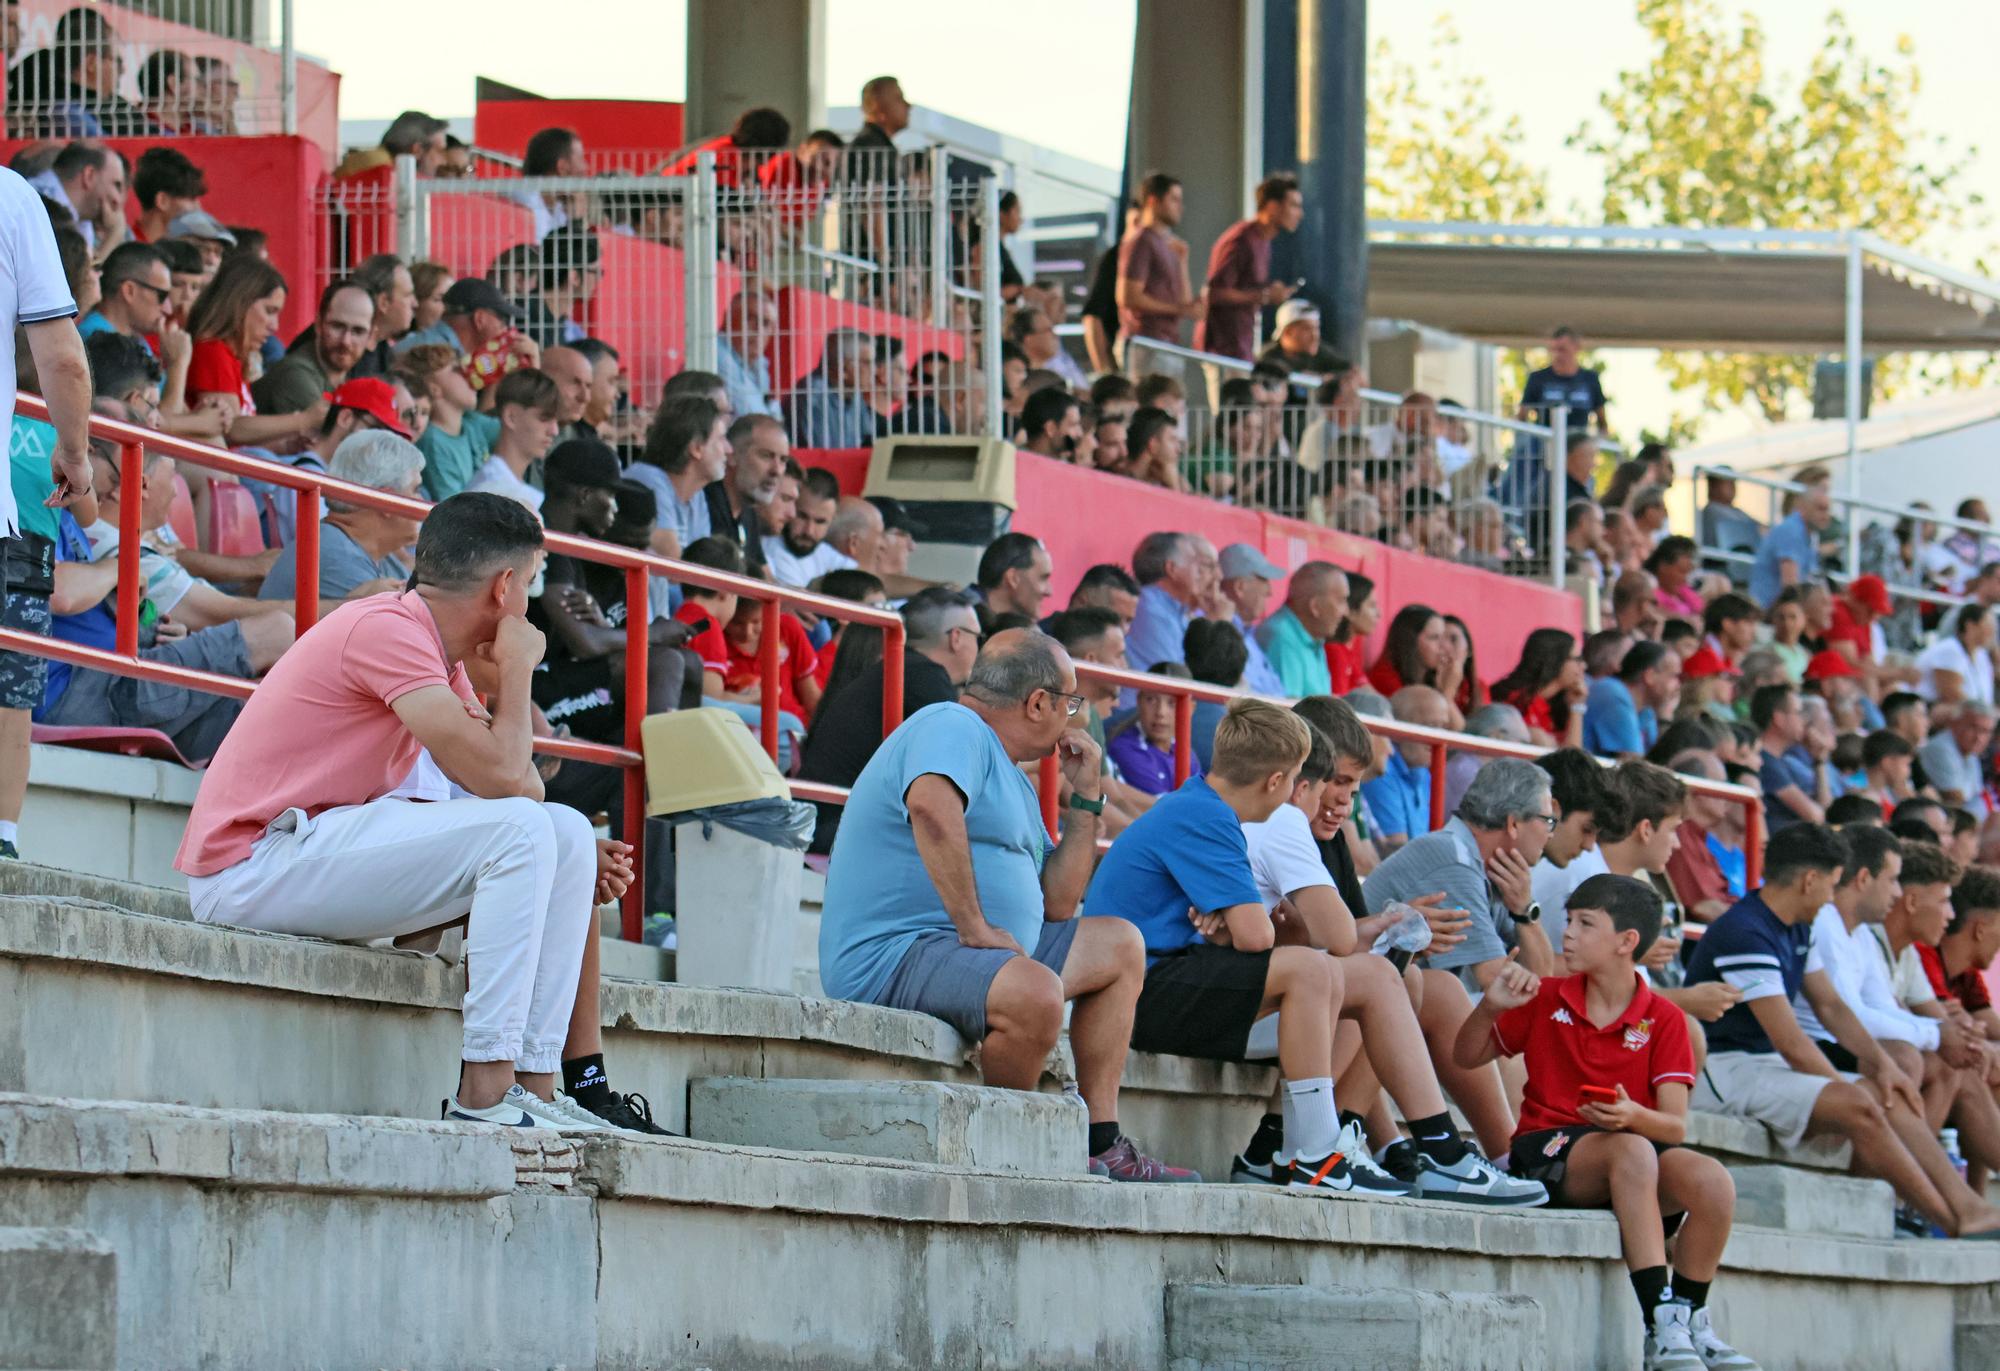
(1239, 271)
(1153, 290)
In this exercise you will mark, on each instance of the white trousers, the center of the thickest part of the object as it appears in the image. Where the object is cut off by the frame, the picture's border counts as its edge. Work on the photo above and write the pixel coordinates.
(524, 871)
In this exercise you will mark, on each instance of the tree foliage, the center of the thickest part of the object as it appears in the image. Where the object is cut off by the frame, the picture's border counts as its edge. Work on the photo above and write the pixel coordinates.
(1701, 137)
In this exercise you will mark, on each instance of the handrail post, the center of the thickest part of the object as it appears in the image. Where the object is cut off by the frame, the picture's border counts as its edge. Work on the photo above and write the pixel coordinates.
(1047, 783)
(1753, 846)
(131, 496)
(941, 243)
(1558, 478)
(767, 678)
(1183, 739)
(892, 678)
(1437, 786)
(305, 561)
(632, 911)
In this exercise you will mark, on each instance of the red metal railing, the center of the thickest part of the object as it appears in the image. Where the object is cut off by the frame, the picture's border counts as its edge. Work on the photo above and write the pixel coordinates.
(1439, 740)
(311, 486)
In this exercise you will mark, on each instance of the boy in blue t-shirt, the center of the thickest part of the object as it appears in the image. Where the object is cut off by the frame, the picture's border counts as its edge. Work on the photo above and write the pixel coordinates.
(1181, 872)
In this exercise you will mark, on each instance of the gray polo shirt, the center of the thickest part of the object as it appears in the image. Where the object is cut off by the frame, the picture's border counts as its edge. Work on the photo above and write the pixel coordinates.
(1447, 861)
(343, 565)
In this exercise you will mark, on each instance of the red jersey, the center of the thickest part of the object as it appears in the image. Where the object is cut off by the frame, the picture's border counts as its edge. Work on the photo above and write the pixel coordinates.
(1344, 665)
(1968, 987)
(1384, 676)
(1644, 1046)
(1844, 629)
(1534, 712)
(796, 662)
(214, 368)
(707, 642)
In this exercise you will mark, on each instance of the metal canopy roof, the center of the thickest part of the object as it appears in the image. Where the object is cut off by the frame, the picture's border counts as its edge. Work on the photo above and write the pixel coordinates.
(1691, 289)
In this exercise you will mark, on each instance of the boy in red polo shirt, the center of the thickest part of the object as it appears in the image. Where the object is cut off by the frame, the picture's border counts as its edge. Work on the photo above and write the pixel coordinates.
(706, 612)
(1605, 1110)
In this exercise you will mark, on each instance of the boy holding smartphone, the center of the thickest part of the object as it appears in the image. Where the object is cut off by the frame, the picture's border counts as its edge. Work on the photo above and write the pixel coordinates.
(1605, 1111)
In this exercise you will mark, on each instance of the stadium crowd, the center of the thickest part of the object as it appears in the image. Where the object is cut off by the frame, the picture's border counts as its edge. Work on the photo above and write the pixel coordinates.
(1573, 960)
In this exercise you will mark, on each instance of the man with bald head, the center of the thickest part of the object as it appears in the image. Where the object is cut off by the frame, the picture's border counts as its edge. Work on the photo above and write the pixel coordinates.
(1295, 637)
(946, 897)
(1400, 798)
(572, 373)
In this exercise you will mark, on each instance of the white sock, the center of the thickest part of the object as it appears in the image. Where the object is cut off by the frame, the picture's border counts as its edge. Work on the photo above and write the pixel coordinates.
(9, 831)
(1283, 1156)
(1316, 1121)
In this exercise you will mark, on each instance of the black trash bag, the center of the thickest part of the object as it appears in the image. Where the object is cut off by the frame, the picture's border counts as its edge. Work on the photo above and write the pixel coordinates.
(781, 823)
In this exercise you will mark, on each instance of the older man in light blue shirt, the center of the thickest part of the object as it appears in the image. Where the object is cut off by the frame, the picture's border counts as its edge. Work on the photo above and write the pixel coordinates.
(1789, 554)
(830, 410)
(1177, 574)
(1247, 575)
(746, 336)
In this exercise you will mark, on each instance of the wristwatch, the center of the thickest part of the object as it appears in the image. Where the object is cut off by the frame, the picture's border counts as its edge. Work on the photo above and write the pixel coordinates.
(1533, 916)
(1087, 806)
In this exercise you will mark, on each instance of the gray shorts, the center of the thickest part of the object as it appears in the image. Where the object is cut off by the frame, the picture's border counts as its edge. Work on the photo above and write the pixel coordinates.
(942, 977)
(23, 678)
(194, 719)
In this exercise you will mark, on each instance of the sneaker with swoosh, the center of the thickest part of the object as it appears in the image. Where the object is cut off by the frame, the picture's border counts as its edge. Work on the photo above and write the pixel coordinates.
(1123, 1161)
(1347, 1170)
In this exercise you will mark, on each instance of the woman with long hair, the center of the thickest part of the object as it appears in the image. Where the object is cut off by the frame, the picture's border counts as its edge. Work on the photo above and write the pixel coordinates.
(1547, 685)
(229, 323)
(1415, 652)
(1344, 663)
(1459, 679)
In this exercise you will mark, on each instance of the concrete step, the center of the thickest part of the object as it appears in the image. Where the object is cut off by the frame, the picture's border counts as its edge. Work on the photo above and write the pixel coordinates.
(1799, 1200)
(971, 1126)
(106, 815)
(813, 1259)
(1292, 1328)
(58, 1300)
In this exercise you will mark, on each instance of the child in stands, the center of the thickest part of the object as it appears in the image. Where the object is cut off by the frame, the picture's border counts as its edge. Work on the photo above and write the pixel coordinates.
(1144, 751)
(1605, 1111)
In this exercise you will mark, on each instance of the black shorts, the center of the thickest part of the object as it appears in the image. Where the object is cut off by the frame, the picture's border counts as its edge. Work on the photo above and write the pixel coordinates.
(1544, 1156)
(1200, 1002)
(1840, 1058)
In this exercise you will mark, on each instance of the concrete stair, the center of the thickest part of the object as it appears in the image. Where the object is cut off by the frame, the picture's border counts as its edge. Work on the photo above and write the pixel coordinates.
(58, 1300)
(1293, 1328)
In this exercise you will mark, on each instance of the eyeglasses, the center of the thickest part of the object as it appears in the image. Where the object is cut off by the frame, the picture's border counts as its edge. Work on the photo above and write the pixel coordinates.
(1548, 819)
(1072, 704)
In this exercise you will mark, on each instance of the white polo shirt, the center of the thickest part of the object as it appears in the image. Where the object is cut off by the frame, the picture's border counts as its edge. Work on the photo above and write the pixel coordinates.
(33, 290)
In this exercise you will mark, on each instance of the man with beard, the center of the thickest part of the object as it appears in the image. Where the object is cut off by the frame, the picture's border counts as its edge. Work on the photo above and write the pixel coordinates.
(758, 451)
(800, 554)
(1053, 421)
(320, 361)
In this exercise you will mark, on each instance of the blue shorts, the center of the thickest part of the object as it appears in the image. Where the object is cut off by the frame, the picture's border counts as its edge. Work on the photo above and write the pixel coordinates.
(942, 977)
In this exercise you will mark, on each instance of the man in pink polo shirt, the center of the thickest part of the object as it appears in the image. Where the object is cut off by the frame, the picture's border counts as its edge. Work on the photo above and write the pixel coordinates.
(303, 825)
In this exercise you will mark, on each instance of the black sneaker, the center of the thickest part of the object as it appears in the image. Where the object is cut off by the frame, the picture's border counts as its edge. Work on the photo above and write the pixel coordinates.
(633, 1113)
(1348, 1170)
(1243, 1171)
(8, 852)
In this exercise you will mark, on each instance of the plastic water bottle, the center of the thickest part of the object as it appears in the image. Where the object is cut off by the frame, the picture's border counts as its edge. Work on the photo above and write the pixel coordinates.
(1948, 1140)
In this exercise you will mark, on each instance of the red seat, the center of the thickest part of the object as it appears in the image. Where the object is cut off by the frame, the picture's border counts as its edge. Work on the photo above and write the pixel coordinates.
(180, 515)
(127, 742)
(233, 524)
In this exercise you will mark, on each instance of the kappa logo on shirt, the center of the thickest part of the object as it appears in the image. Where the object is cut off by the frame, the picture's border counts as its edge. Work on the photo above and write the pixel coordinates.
(1562, 1016)
(1638, 1035)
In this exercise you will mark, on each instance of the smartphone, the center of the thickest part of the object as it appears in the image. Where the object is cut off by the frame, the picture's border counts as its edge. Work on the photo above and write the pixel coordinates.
(1597, 1094)
(1400, 958)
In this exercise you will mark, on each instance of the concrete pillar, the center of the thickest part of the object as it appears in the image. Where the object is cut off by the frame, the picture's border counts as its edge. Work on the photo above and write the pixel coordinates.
(1197, 110)
(746, 53)
(1330, 142)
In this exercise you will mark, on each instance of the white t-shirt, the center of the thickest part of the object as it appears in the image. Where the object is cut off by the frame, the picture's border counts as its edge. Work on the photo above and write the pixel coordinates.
(1906, 975)
(1554, 884)
(1948, 653)
(1855, 967)
(496, 477)
(1283, 855)
(800, 572)
(33, 289)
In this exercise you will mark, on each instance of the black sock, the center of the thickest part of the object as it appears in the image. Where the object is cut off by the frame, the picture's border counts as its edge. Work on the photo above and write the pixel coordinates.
(1437, 1139)
(1694, 1292)
(1102, 1136)
(1264, 1144)
(1650, 1285)
(1348, 1116)
(585, 1082)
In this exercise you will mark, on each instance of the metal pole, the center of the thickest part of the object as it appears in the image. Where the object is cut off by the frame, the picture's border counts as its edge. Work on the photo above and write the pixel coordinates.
(1046, 787)
(892, 678)
(1558, 468)
(990, 322)
(412, 240)
(1183, 739)
(305, 562)
(1438, 761)
(701, 252)
(131, 494)
(632, 910)
(289, 80)
(941, 237)
(767, 678)
(1854, 377)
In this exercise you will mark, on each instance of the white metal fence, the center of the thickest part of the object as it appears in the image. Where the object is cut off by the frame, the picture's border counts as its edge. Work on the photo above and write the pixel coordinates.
(149, 68)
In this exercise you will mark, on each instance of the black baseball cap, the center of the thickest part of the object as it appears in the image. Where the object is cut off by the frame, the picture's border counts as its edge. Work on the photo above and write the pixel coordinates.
(469, 293)
(896, 515)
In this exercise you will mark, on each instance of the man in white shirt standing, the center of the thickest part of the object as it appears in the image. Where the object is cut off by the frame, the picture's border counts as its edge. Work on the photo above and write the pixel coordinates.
(35, 294)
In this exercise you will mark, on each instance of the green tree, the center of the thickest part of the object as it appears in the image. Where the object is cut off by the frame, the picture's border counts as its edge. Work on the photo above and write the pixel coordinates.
(1700, 138)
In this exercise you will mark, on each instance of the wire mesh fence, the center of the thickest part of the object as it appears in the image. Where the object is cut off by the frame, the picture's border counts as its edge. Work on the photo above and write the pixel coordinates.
(142, 68)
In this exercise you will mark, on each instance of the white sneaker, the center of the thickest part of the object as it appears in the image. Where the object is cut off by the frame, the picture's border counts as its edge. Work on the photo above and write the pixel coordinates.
(561, 1113)
(1715, 1354)
(1668, 1344)
(1474, 1180)
(506, 1113)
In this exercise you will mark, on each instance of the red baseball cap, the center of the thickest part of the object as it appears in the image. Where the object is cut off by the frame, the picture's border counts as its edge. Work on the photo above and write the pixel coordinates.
(374, 397)
(1705, 662)
(1870, 591)
(1828, 664)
